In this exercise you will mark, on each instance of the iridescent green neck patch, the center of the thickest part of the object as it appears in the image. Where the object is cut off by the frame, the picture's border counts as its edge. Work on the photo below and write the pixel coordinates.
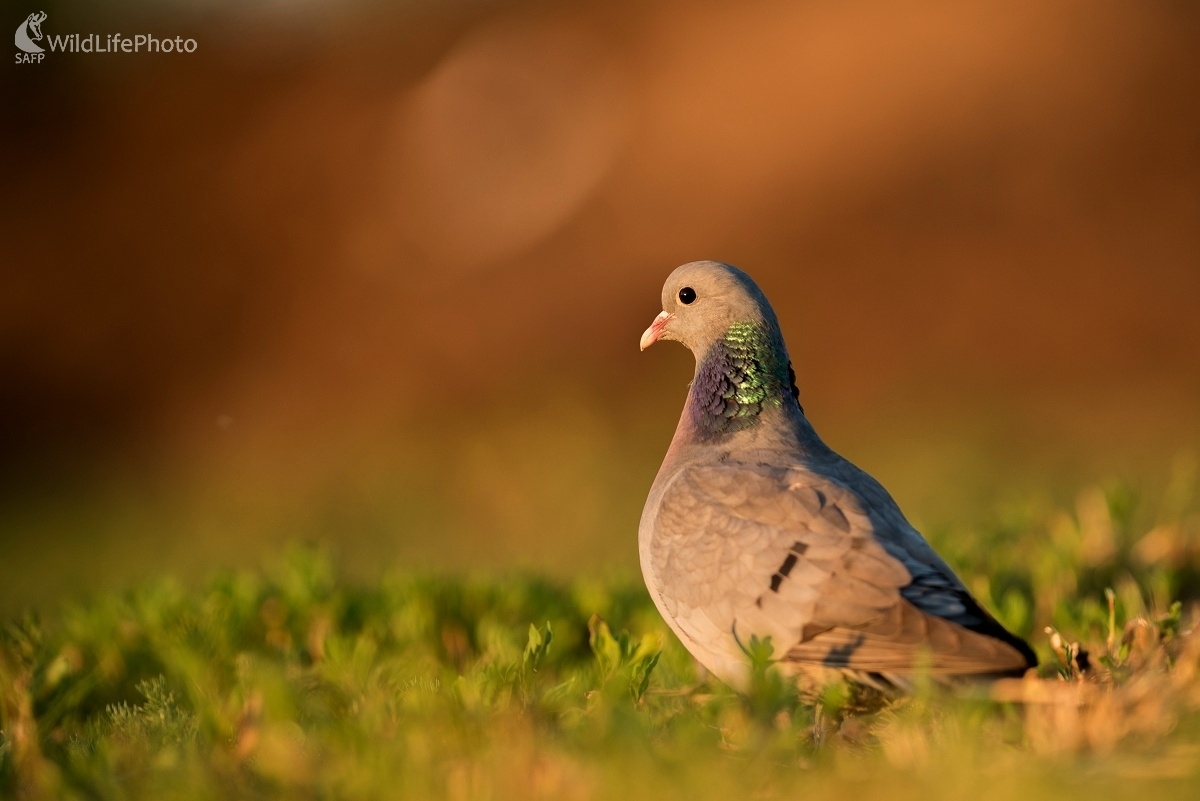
(743, 373)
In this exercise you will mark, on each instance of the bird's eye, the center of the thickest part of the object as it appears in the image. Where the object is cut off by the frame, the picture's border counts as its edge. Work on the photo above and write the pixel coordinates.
(687, 295)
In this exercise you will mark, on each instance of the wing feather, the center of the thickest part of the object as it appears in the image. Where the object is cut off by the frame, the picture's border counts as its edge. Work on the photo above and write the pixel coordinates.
(794, 555)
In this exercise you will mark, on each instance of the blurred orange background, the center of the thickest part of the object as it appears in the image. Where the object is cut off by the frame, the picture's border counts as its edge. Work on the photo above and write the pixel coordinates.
(375, 276)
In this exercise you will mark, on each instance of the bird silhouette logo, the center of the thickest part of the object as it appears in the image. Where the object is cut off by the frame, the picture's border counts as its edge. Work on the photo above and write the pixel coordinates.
(30, 32)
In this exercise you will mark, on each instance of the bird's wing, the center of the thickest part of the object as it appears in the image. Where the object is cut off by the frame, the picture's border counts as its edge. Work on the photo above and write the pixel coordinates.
(748, 549)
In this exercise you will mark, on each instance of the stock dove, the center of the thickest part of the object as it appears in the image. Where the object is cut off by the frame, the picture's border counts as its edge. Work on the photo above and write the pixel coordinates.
(755, 527)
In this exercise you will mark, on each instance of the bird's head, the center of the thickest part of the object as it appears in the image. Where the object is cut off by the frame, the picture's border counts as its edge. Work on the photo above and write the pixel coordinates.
(702, 300)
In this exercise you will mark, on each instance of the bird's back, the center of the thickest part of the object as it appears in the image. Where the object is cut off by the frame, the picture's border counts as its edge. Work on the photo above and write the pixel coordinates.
(801, 546)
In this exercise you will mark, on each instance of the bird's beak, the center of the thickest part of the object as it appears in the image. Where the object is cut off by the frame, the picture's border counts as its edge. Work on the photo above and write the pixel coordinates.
(655, 330)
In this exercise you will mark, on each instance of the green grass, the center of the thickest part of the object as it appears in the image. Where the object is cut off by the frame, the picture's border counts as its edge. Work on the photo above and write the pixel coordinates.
(294, 682)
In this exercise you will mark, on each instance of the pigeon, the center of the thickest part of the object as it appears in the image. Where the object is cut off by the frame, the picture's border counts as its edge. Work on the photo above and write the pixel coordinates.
(755, 528)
